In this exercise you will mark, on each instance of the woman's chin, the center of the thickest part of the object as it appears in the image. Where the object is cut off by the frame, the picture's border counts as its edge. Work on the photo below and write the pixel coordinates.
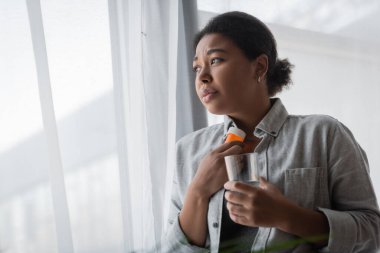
(215, 110)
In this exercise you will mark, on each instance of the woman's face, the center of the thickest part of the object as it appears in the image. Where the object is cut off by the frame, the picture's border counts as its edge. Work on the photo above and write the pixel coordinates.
(226, 81)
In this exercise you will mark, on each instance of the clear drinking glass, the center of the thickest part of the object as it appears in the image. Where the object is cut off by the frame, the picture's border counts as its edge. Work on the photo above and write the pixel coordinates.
(242, 167)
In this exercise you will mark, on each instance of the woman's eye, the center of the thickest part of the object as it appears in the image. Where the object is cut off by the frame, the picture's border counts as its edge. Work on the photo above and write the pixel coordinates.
(216, 60)
(196, 69)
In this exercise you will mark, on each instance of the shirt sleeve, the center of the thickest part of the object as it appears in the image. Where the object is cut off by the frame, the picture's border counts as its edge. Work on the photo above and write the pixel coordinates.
(354, 219)
(174, 239)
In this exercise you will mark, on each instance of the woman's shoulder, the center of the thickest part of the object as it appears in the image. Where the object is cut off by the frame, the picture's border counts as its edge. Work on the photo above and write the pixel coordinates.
(202, 136)
(319, 125)
(314, 121)
(191, 148)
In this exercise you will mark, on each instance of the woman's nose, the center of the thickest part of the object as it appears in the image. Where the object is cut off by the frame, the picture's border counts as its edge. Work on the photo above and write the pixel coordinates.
(204, 76)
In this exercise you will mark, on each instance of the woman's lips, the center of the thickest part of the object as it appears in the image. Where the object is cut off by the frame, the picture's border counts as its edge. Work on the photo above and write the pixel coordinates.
(208, 95)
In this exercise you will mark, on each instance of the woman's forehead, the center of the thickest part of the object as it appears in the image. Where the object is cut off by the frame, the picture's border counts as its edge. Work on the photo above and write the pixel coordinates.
(212, 41)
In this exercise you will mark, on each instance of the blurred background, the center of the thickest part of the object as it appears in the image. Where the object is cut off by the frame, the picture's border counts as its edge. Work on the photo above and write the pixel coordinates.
(69, 175)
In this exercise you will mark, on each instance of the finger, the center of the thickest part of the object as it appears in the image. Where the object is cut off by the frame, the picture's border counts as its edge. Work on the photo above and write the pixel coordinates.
(227, 145)
(234, 150)
(242, 220)
(264, 184)
(235, 209)
(240, 187)
(269, 187)
(235, 197)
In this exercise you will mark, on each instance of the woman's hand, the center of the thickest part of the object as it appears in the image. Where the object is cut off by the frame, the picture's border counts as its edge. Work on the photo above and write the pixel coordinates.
(209, 178)
(211, 173)
(266, 206)
(262, 206)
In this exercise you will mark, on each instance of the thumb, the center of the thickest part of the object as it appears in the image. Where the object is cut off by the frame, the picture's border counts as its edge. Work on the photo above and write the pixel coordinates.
(264, 184)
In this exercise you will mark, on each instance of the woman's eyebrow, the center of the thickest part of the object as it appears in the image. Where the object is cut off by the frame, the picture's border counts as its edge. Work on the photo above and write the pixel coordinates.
(212, 50)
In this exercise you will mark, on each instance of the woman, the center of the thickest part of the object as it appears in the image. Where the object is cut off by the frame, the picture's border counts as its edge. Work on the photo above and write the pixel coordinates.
(315, 194)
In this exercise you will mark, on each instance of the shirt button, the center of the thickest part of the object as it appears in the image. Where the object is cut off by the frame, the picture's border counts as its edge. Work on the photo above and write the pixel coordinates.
(215, 224)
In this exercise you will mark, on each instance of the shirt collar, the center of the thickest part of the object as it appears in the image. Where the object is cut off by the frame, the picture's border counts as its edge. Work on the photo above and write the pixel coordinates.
(270, 124)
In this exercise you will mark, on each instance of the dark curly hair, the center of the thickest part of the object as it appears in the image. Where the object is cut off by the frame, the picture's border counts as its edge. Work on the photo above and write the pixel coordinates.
(254, 38)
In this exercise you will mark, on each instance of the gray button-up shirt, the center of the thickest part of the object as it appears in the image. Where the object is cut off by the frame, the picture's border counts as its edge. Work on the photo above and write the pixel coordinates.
(314, 161)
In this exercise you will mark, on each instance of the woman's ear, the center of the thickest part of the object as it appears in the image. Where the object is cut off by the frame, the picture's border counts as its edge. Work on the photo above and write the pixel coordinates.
(261, 67)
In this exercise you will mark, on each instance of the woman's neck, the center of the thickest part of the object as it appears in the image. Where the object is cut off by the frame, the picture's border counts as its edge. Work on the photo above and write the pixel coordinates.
(249, 119)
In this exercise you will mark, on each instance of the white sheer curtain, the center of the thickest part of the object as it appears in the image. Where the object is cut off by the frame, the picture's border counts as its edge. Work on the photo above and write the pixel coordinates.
(93, 95)
(155, 83)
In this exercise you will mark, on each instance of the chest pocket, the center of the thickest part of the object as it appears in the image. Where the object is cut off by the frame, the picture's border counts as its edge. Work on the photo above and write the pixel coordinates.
(308, 187)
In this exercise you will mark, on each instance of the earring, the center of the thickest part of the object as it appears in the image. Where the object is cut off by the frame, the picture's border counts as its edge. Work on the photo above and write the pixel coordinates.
(259, 79)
